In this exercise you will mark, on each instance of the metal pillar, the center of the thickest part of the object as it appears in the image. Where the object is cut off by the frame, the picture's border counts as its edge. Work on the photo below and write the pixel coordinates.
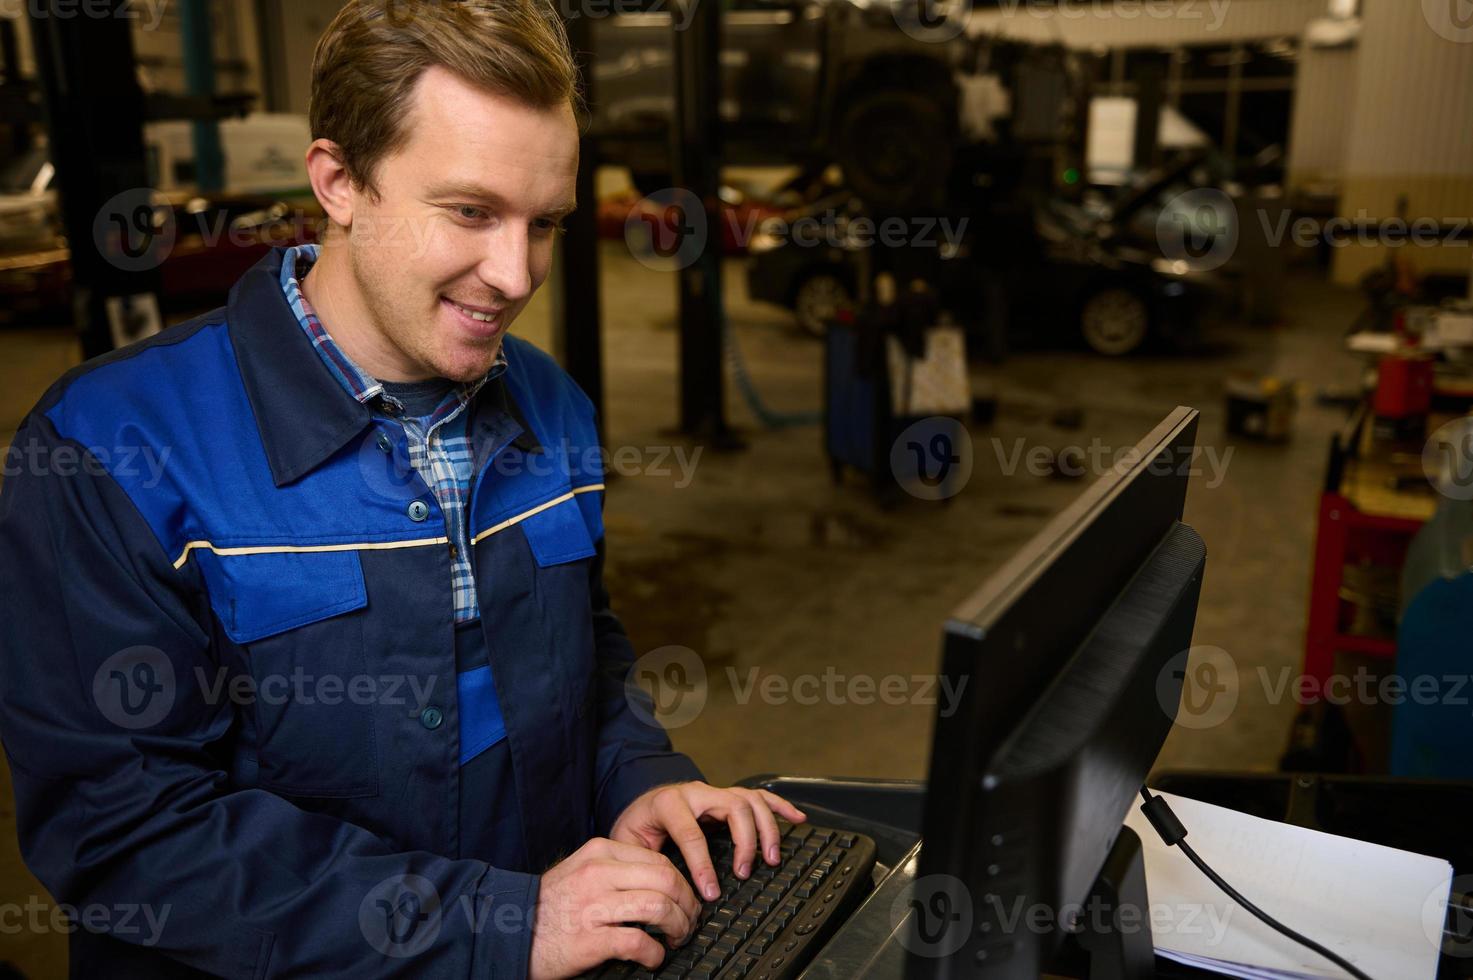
(1150, 94)
(198, 38)
(696, 154)
(95, 113)
(579, 313)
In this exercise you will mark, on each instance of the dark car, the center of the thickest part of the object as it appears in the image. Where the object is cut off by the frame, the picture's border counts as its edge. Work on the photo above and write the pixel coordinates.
(1031, 274)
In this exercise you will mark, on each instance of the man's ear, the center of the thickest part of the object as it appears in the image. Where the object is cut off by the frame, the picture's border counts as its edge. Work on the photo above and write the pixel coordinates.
(330, 181)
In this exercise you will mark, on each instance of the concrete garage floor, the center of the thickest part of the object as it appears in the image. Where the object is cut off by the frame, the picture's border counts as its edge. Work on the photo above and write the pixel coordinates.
(761, 566)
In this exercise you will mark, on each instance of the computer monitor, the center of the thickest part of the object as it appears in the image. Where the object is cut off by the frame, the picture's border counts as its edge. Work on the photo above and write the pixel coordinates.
(1071, 686)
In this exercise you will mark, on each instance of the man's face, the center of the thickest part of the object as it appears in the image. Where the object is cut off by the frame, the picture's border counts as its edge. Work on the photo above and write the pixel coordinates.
(464, 224)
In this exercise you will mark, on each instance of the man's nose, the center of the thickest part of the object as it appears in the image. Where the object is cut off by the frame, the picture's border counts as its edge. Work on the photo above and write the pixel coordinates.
(505, 267)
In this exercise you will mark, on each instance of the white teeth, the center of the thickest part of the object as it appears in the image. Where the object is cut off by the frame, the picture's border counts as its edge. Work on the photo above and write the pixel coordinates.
(483, 317)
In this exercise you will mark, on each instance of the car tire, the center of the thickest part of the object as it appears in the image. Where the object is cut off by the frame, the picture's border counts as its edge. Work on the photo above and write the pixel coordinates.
(1115, 321)
(818, 297)
(895, 148)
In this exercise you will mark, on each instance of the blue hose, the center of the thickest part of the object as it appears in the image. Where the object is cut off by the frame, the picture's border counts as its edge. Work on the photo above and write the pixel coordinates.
(769, 418)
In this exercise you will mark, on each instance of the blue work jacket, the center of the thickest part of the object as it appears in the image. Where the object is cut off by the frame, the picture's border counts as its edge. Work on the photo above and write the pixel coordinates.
(228, 685)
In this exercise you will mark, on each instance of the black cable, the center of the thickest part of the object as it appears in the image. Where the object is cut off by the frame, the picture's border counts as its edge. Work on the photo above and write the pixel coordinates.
(1174, 832)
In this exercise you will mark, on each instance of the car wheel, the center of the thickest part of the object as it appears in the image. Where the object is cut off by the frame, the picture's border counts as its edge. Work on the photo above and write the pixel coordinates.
(1115, 321)
(895, 148)
(818, 299)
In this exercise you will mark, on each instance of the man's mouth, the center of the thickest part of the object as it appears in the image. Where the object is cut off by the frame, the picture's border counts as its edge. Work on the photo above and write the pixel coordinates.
(480, 313)
(477, 322)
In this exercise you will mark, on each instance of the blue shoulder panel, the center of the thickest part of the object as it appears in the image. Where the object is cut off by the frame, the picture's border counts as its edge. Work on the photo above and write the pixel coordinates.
(179, 413)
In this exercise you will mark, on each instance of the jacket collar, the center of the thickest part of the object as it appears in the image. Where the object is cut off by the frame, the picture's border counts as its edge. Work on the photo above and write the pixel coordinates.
(302, 413)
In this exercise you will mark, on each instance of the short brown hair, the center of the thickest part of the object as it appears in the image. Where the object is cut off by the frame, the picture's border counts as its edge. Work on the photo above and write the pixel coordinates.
(373, 53)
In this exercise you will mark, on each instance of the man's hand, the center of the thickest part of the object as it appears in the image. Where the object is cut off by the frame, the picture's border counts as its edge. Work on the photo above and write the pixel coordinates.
(672, 812)
(585, 900)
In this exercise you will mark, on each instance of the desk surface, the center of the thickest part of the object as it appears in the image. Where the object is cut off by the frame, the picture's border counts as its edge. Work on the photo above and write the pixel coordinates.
(1387, 479)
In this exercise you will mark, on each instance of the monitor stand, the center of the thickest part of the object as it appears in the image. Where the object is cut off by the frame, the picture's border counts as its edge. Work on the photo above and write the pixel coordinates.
(1111, 946)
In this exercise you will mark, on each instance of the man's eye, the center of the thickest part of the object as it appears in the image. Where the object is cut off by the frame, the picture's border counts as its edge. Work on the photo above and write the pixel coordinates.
(548, 226)
(469, 212)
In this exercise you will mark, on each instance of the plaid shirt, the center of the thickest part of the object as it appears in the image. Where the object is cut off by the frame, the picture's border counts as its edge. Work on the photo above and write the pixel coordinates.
(439, 449)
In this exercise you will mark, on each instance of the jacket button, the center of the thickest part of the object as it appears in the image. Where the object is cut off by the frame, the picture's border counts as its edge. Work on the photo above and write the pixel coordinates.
(418, 511)
(432, 717)
(384, 443)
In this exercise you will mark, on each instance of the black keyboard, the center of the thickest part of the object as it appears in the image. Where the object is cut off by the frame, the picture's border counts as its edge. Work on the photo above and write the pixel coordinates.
(769, 926)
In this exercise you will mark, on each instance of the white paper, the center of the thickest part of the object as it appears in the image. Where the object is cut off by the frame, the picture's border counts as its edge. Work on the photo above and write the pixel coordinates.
(1380, 908)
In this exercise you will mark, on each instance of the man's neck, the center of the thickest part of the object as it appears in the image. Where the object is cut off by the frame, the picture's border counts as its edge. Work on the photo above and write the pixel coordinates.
(331, 290)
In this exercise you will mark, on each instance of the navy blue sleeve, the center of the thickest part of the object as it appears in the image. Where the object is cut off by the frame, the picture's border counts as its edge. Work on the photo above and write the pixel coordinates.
(120, 768)
(634, 752)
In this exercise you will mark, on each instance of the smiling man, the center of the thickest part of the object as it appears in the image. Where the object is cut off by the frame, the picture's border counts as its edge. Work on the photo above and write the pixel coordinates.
(338, 692)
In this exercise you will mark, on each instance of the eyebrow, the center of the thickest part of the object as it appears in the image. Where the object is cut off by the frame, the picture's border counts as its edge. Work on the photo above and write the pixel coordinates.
(474, 192)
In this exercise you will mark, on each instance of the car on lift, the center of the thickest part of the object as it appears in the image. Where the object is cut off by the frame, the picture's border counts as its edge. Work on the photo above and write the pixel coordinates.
(806, 82)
